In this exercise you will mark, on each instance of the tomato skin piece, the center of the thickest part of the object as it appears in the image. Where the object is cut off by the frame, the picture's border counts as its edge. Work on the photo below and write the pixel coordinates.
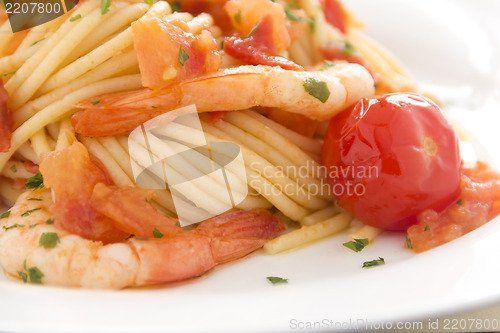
(334, 14)
(400, 155)
(259, 48)
(479, 202)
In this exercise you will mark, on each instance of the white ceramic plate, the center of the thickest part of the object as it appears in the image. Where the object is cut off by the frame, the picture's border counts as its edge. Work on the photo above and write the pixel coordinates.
(450, 47)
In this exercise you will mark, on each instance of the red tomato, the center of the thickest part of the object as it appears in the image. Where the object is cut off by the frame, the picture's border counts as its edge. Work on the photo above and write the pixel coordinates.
(392, 157)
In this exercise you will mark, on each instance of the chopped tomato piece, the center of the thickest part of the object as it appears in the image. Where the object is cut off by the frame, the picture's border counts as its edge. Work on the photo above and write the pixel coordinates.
(479, 202)
(259, 48)
(296, 122)
(72, 174)
(334, 14)
(6, 120)
(213, 7)
(168, 54)
(131, 210)
(215, 116)
(245, 14)
(31, 167)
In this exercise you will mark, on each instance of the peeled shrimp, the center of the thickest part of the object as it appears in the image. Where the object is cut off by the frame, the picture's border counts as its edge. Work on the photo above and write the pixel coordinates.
(315, 94)
(72, 260)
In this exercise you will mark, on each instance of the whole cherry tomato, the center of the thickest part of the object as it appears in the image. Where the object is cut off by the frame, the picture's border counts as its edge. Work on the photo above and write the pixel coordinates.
(392, 157)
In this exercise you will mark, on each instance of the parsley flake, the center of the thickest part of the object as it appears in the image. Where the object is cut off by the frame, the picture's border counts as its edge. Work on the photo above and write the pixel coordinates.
(32, 274)
(177, 224)
(13, 226)
(105, 4)
(13, 168)
(35, 275)
(357, 244)
(157, 233)
(23, 276)
(317, 89)
(327, 64)
(408, 242)
(32, 226)
(349, 49)
(149, 2)
(49, 221)
(28, 212)
(183, 56)
(7, 74)
(35, 199)
(5, 215)
(427, 228)
(35, 182)
(237, 17)
(376, 262)
(95, 102)
(75, 18)
(276, 280)
(459, 202)
(49, 240)
(292, 17)
(175, 6)
(250, 34)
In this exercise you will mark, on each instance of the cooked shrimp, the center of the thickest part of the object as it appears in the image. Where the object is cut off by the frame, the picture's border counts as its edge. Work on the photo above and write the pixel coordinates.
(315, 94)
(37, 249)
(50, 242)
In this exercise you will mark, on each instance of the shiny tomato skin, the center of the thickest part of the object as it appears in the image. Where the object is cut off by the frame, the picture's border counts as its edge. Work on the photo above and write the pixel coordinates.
(400, 155)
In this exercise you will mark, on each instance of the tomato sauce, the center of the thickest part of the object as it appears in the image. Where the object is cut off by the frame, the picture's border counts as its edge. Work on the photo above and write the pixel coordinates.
(479, 203)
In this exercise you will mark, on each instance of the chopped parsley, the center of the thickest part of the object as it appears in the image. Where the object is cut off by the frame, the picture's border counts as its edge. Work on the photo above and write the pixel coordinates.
(35, 275)
(141, 238)
(5, 215)
(349, 49)
(147, 200)
(7, 74)
(157, 233)
(32, 274)
(317, 89)
(459, 202)
(175, 6)
(49, 240)
(250, 34)
(23, 276)
(408, 242)
(154, 107)
(237, 17)
(357, 244)
(376, 262)
(427, 228)
(35, 182)
(292, 17)
(105, 4)
(28, 212)
(13, 226)
(49, 221)
(312, 24)
(327, 64)
(75, 18)
(35, 199)
(276, 280)
(177, 224)
(95, 102)
(13, 168)
(149, 2)
(32, 226)
(183, 56)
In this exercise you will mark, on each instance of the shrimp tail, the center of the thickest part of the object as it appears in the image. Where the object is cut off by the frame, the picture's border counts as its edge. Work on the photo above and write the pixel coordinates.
(217, 240)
